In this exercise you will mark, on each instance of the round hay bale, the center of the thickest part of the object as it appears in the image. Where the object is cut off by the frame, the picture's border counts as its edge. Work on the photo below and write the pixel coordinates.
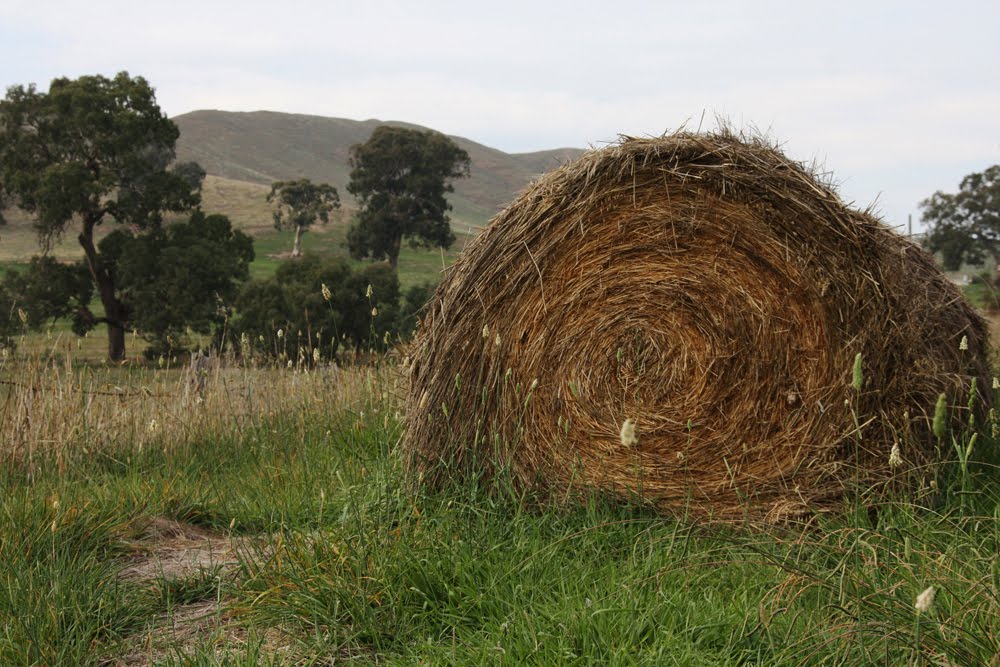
(677, 320)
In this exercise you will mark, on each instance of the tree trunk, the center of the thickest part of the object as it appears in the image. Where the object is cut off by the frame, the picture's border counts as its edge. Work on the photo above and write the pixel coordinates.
(297, 245)
(114, 310)
(393, 253)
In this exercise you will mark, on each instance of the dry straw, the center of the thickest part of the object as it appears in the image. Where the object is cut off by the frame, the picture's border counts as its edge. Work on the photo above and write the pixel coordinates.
(717, 295)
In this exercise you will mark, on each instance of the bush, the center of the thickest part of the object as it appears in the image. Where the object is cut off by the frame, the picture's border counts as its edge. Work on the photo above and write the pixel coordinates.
(315, 306)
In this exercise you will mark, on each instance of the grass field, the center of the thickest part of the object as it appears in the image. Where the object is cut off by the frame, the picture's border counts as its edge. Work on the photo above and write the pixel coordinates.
(255, 515)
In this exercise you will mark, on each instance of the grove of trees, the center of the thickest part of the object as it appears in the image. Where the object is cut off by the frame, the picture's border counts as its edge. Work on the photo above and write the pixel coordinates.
(95, 150)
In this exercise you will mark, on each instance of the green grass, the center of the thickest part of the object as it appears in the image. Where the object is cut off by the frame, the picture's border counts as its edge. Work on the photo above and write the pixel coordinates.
(339, 558)
(982, 296)
(416, 265)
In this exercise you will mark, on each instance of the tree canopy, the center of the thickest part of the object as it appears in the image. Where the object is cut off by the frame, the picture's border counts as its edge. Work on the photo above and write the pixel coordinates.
(400, 177)
(178, 278)
(93, 149)
(965, 226)
(171, 280)
(48, 290)
(298, 204)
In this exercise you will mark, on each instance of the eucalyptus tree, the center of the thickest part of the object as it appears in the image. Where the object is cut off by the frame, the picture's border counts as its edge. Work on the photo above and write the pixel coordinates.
(298, 204)
(89, 151)
(400, 177)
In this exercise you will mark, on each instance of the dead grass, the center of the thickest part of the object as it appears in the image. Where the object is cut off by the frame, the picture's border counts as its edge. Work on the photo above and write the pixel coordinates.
(53, 410)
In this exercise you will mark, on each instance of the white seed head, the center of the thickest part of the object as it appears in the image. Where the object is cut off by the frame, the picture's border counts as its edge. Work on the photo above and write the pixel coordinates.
(281, 333)
(374, 312)
(23, 316)
(627, 434)
(153, 425)
(964, 343)
(486, 334)
(496, 341)
(326, 291)
(895, 458)
(925, 601)
(368, 292)
(315, 355)
(534, 385)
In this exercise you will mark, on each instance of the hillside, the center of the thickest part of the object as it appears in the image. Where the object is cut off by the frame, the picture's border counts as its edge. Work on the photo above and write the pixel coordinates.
(264, 146)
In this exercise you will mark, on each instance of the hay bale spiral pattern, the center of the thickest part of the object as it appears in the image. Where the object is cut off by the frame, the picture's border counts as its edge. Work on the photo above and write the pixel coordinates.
(714, 293)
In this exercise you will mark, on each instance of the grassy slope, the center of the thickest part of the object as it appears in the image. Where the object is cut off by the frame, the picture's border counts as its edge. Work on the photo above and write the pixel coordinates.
(265, 146)
(337, 559)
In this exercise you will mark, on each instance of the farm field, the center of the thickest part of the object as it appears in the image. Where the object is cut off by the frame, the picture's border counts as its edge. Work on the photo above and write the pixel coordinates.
(257, 515)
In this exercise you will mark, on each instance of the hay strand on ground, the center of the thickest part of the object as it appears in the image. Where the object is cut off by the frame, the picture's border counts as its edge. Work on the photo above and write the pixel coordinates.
(716, 294)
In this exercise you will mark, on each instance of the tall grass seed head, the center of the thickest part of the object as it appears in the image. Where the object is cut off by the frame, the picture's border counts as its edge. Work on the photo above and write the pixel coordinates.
(486, 334)
(925, 601)
(963, 344)
(326, 291)
(368, 291)
(941, 416)
(895, 458)
(627, 434)
(857, 374)
(23, 316)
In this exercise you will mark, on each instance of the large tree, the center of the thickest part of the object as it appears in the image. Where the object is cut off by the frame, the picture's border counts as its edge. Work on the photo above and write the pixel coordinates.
(965, 226)
(90, 150)
(400, 178)
(179, 278)
(298, 204)
(172, 279)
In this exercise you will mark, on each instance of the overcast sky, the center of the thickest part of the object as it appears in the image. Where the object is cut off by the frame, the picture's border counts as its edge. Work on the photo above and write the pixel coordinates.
(896, 99)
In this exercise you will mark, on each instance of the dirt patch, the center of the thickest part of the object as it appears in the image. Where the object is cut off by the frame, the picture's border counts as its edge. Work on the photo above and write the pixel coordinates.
(167, 552)
(171, 550)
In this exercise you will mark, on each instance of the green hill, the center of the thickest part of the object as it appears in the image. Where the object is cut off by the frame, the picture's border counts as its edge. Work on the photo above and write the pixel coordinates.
(264, 146)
